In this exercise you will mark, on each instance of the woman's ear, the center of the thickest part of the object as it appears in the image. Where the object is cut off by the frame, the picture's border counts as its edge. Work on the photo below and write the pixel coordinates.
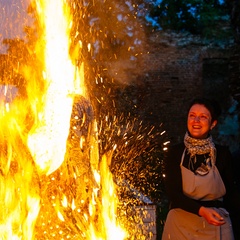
(214, 123)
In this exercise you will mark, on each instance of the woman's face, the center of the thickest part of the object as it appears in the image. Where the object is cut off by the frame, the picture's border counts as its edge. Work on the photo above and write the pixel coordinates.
(199, 121)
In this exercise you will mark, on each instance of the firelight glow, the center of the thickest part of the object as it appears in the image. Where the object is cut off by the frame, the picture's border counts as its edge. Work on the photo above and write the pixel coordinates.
(48, 136)
(47, 140)
(56, 154)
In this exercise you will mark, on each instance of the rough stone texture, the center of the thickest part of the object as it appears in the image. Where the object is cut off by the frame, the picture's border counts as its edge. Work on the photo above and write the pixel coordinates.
(177, 68)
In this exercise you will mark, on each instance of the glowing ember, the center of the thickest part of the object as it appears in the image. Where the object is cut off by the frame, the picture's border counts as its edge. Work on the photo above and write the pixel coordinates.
(55, 177)
(64, 202)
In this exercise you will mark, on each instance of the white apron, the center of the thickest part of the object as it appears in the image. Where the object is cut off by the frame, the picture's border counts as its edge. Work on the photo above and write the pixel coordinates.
(207, 187)
(182, 225)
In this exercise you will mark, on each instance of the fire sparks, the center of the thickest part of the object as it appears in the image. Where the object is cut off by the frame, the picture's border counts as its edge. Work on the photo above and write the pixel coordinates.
(109, 203)
(55, 177)
(110, 228)
(47, 139)
(48, 181)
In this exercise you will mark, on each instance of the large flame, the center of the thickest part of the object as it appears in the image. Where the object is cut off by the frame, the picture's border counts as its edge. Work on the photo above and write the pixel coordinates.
(109, 227)
(47, 140)
(19, 184)
(35, 168)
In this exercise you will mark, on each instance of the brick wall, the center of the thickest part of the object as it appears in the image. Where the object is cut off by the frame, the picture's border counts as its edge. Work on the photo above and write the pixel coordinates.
(171, 74)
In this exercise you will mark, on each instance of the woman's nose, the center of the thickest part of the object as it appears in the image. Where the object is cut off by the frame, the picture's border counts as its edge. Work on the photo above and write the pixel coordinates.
(197, 119)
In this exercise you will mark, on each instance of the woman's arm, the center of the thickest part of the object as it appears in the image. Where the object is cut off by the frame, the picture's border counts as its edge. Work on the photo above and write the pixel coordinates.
(173, 182)
(225, 167)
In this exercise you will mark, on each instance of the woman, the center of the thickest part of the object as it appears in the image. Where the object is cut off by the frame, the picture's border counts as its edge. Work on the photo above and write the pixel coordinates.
(199, 181)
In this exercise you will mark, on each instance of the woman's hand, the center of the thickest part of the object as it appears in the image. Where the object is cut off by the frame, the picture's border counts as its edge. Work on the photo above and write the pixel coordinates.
(211, 216)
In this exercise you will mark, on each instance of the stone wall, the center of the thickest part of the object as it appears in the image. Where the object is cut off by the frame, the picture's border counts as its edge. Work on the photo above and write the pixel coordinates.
(177, 68)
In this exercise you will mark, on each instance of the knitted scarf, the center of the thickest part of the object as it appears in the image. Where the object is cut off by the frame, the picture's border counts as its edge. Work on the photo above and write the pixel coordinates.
(200, 146)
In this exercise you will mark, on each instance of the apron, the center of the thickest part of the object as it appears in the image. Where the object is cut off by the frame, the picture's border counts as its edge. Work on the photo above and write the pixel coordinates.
(183, 225)
(204, 188)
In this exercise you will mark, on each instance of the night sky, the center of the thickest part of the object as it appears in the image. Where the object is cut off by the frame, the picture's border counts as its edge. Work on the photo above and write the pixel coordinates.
(13, 17)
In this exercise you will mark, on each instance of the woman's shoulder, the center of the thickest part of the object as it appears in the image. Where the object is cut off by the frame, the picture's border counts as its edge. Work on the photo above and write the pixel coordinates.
(177, 146)
(224, 156)
(176, 149)
(222, 148)
(173, 156)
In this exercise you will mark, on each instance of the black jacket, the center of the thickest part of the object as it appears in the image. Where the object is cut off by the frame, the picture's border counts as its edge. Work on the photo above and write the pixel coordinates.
(173, 183)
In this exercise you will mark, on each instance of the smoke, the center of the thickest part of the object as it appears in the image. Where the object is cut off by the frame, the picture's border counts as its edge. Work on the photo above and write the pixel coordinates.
(13, 18)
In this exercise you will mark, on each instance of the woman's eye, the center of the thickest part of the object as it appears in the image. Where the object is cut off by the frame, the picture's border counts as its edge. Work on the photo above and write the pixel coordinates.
(199, 118)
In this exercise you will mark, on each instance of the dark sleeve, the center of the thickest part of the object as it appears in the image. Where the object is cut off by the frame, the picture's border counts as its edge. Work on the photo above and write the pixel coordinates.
(173, 182)
(225, 167)
(232, 197)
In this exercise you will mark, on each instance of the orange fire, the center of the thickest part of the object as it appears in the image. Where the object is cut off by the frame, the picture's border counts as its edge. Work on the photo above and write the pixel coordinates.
(19, 187)
(51, 183)
(110, 228)
(47, 139)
